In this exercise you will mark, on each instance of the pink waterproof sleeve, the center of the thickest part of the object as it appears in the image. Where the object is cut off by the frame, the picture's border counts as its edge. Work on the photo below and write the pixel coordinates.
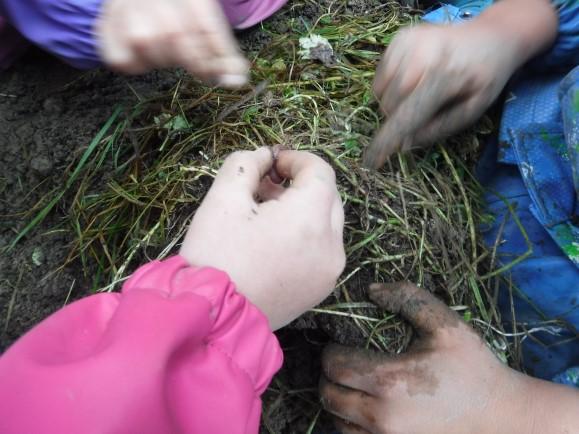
(178, 351)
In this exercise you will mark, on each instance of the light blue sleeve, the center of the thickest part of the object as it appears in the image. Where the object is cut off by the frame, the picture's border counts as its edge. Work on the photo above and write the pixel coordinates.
(565, 50)
(64, 28)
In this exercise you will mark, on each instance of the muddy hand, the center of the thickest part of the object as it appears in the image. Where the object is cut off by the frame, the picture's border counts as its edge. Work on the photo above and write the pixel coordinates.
(139, 35)
(282, 246)
(434, 81)
(448, 382)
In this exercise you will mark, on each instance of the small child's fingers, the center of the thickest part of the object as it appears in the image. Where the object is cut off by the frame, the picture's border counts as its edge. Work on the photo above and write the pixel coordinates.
(427, 314)
(388, 67)
(192, 54)
(195, 55)
(171, 46)
(401, 85)
(310, 174)
(451, 120)
(115, 47)
(231, 71)
(385, 143)
(221, 43)
(349, 404)
(211, 22)
(347, 427)
(241, 174)
(416, 111)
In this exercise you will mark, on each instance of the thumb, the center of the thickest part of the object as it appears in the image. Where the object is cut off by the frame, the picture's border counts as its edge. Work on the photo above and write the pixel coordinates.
(241, 174)
(423, 310)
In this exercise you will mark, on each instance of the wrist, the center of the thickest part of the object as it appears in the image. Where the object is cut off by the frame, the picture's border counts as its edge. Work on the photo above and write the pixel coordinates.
(532, 406)
(527, 413)
(553, 408)
(513, 407)
(525, 28)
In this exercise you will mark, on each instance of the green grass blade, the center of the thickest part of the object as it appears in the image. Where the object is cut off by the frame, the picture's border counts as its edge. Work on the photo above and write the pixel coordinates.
(46, 210)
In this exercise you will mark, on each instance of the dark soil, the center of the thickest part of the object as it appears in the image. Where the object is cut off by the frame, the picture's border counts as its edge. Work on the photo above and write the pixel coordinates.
(49, 113)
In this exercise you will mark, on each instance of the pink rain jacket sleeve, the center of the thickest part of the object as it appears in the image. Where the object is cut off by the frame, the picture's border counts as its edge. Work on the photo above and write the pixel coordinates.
(178, 351)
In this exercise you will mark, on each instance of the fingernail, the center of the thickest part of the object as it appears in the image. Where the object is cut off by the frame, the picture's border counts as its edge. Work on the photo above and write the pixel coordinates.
(232, 80)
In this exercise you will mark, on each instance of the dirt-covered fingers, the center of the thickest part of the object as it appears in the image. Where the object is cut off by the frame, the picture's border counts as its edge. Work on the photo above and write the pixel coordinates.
(354, 368)
(345, 427)
(411, 115)
(427, 314)
(452, 119)
(353, 409)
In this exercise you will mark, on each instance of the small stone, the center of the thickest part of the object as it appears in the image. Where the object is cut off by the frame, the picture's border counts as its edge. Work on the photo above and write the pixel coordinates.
(42, 165)
(316, 47)
(52, 105)
(37, 256)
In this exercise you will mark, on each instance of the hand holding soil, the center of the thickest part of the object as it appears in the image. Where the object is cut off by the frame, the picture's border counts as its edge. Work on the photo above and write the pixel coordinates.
(137, 36)
(449, 382)
(284, 252)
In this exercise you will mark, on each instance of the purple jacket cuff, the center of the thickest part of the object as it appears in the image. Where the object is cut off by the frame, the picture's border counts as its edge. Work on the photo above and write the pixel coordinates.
(65, 28)
(62, 27)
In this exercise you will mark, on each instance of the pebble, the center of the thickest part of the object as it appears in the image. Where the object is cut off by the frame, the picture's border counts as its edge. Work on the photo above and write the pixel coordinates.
(42, 165)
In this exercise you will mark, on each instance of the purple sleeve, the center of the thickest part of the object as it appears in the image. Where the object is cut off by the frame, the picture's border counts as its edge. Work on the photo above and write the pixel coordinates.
(64, 28)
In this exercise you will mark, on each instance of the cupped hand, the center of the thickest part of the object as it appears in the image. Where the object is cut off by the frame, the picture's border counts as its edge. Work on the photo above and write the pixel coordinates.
(283, 247)
(136, 36)
(449, 382)
(434, 81)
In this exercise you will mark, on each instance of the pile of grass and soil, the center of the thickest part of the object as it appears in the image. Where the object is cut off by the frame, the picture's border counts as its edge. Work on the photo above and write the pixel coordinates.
(129, 193)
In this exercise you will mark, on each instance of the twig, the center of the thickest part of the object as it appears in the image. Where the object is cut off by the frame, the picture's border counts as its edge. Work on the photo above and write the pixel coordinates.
(256, 91)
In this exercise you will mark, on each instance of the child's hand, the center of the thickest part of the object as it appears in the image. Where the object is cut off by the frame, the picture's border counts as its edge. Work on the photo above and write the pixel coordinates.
(449, 382)
(285, 253)
(435, 80)
(140, 35)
